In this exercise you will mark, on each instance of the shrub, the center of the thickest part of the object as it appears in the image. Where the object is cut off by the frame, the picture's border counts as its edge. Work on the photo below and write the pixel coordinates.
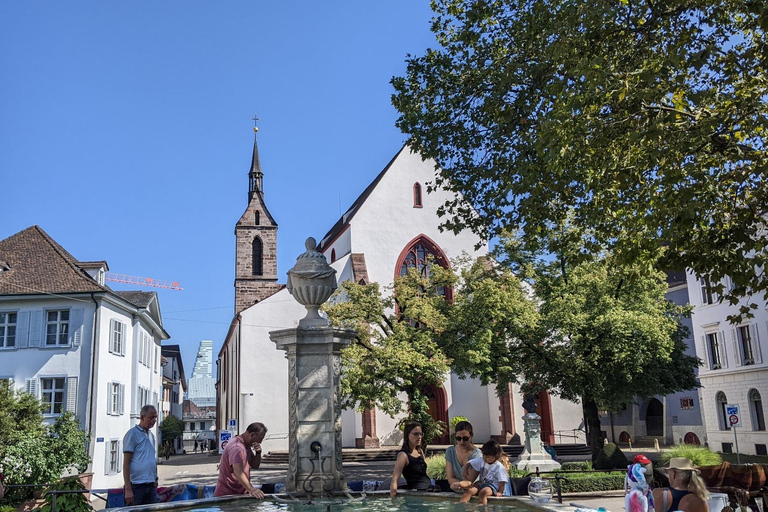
(699, 455)
(436, 466)
(585, 465)
(592, 482)
(611, 457)
(67, 502)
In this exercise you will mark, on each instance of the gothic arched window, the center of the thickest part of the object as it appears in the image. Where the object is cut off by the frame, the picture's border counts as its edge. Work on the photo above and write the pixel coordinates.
(756, 410)
(258, 256)
(333, 255)
(722, 417)
(417, 195)
(256, 217)
(417, 255)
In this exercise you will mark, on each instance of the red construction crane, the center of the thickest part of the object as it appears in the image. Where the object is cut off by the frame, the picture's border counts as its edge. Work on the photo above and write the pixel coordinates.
(142, 281)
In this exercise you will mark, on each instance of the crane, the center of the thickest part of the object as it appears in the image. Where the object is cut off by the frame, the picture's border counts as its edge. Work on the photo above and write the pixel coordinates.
(142, 281)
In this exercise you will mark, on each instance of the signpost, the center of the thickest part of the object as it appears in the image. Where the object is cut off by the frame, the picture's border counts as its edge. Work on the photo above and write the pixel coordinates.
(733, 417)
(224, 437)
(232, 425)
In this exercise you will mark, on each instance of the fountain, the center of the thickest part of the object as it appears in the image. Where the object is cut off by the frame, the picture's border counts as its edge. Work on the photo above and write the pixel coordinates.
(313, 350)
(534, 456)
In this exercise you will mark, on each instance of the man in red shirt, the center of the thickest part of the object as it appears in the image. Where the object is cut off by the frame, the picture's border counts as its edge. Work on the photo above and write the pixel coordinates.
(242, 453)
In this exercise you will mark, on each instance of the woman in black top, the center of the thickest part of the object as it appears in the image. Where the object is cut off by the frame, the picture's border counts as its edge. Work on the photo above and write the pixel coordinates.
(410, 461)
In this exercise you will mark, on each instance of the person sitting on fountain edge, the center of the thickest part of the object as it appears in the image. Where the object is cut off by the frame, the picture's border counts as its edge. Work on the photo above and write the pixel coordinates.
(241, 454)
(410, 461)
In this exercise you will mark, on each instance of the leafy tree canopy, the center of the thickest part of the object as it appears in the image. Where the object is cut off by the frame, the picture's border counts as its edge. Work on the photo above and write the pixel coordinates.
(640, 125)
(171, 428)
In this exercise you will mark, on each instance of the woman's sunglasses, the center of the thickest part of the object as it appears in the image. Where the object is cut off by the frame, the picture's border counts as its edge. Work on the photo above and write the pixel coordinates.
(462, 438)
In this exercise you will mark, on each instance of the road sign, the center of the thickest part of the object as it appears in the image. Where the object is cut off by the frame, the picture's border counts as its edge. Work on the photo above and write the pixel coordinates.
(232, 425)
(224, 437)
(733, 415)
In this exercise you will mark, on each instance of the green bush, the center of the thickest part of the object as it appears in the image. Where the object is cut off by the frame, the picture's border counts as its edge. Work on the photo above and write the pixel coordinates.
(593, 482)
(436, 466)
(67, 502)
(699, 455)
(611, 457)
(585, 465)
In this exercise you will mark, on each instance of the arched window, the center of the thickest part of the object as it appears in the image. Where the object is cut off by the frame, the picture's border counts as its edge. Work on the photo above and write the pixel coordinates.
(333, 255)
(417, 255)
(756, 410)
(258, 256)
(256, 217)
(417, 195)
(722, 418)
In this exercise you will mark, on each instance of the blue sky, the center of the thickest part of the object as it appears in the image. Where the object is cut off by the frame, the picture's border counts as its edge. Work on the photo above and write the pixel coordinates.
(125, 130)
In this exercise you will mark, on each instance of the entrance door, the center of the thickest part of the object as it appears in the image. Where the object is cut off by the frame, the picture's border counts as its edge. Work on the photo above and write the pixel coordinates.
(654, 418)
(436, 402)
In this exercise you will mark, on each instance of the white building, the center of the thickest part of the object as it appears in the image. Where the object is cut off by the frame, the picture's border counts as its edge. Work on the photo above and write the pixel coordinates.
(174, 386)
(76, 344)
(735, 369)
(391, 226)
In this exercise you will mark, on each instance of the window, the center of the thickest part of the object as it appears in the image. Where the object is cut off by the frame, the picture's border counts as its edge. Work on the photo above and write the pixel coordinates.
(52, 391)
(722, 417)
(117, 339)
(714, 351)
(144, 349)
(57, 327)
(113, 457)
(256, 217)
(333, 255)
(760, 449)
(727, 448)
(686, 403)
(707, 295)
(7, 330)
(115, 398)
(756, 410)
(258, 249)
(142, 396)
(745, 344)
(417, 195)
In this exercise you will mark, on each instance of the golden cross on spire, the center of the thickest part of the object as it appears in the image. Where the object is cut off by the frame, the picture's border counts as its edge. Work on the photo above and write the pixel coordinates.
(255, 120)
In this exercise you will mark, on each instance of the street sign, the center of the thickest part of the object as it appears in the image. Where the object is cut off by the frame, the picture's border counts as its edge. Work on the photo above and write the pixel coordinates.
(224, 437)
(232, 425)
(733, 415)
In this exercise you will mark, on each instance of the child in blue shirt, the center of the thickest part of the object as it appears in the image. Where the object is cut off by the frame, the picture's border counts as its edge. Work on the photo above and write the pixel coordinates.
(493, 475)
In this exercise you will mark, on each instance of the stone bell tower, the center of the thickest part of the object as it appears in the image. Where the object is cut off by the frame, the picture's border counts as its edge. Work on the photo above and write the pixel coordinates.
(256, 233)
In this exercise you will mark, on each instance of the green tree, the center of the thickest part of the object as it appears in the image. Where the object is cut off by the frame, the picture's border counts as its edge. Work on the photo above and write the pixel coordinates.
(171, 428)
(411, 336)
(607, 334)
(640, 124)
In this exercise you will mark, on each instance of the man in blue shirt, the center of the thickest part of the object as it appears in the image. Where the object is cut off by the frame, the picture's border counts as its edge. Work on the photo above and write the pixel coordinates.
(140, 460)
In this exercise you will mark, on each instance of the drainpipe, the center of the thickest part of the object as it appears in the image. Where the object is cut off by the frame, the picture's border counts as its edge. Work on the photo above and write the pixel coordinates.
(91, 389)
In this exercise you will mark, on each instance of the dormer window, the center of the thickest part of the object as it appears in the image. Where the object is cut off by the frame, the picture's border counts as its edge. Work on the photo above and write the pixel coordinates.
(417, 195)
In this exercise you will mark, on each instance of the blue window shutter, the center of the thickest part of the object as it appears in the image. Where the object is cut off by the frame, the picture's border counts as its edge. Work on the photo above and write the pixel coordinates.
(36, 329)
(76, 327)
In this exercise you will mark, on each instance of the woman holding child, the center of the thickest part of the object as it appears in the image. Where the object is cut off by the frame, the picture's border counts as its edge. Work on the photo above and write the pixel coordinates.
(457, 456)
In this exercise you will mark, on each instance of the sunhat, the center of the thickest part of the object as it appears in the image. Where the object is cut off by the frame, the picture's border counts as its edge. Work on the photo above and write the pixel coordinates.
(681, 463)
(641, 459)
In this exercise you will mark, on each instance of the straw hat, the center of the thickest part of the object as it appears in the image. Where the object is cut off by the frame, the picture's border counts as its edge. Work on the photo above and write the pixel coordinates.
(681, 463)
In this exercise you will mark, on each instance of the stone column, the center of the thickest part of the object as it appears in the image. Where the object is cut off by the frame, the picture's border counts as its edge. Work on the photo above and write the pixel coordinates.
(534, 456)
(314, 407)
(313, 351)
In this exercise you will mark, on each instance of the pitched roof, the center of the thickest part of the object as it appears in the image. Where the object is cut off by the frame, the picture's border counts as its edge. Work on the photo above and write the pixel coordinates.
(343, 222)
(37, 264)
(140, 299)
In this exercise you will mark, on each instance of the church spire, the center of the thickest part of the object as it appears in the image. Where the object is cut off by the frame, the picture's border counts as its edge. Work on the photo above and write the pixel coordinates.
(255, 176)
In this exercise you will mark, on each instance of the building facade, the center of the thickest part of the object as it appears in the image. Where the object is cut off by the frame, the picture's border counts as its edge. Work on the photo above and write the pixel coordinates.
(253, 374)
(174, 387)
(79, 346)
(202, 385)
(734, 371)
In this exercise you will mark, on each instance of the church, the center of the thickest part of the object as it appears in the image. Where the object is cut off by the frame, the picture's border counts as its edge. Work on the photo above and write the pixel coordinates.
(253, 373)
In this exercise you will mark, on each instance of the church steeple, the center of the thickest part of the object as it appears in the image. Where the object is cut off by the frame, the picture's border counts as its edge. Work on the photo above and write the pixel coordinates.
(255, 176)
(256, 233)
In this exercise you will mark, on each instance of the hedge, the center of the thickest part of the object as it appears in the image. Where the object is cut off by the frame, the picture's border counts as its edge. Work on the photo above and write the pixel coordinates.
(592, 482)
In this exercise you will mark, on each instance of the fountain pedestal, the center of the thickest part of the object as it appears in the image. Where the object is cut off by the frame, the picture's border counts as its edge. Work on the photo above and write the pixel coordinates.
(313, 351)
(534, 456)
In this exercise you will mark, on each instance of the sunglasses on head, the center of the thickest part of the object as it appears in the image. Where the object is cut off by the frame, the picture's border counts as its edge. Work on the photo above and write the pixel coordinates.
(462, 438)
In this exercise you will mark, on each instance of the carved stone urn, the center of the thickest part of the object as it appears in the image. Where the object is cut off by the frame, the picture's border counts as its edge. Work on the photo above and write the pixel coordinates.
(311, 282)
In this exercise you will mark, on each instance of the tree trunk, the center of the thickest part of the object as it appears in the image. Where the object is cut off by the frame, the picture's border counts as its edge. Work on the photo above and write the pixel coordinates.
(592, 419)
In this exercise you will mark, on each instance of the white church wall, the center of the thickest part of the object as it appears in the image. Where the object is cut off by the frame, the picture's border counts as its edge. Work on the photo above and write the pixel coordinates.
(264, 368)
(351, 428)
(469, 399)
(342, 245)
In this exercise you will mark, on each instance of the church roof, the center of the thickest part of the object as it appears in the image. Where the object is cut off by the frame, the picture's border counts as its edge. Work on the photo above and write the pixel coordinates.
(343, 222)
(34, 263)
(140, 299)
